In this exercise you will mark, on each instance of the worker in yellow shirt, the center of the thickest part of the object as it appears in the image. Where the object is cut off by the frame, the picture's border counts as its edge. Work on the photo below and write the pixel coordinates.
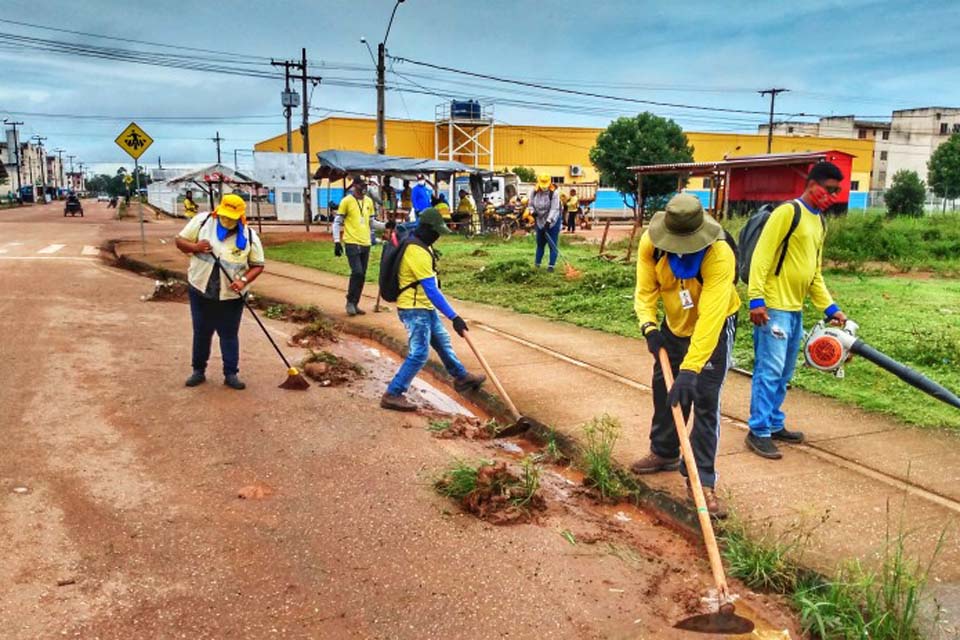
(783, 272)
(572, 207)
(190, 207)
(685, 261)
(466, 210)
(417, 305)
(352, 225)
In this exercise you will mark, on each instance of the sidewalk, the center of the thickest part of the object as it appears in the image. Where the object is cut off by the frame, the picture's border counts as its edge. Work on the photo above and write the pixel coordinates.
(854, 465)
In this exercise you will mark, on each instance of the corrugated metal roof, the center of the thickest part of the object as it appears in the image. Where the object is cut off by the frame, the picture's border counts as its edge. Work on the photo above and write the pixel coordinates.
(773, 159)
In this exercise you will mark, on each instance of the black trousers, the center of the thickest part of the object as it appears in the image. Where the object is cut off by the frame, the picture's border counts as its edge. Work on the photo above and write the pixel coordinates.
(705, 435)
(571, 221)
(357, 256)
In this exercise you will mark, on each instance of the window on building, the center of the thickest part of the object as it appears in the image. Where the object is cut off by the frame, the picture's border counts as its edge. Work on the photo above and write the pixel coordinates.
(861, 133)
(789, 129)
(854, 185)
(956, 127)
(883, 177)
(706, 183)
(943, 128)
(886, 135)
(557, 179)
(883, 155)
(285, 198)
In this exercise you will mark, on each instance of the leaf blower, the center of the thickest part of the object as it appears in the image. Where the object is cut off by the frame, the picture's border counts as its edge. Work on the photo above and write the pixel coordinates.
(829, 347)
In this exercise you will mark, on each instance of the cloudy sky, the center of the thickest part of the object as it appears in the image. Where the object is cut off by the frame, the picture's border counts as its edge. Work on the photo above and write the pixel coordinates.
(836, 57)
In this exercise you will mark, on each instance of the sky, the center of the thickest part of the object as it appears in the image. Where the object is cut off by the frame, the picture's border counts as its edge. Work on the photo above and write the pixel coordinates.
(836, 57)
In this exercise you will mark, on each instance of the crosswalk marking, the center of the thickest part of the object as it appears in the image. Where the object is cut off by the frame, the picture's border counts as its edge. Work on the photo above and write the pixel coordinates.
(53, 248)
(90, 251)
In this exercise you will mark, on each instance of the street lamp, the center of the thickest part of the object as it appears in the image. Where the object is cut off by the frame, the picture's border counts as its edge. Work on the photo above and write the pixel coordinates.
(381, 72)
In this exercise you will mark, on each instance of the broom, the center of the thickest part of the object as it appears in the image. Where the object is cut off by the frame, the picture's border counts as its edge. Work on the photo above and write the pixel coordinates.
(569, 271)
(295, 380)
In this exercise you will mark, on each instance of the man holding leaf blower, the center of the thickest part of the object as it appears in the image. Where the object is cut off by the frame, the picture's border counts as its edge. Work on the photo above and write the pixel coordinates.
(687, 261)
(216, 304)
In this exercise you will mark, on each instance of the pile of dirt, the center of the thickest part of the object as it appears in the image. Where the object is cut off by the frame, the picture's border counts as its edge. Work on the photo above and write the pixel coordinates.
(329, 370)
(502, 497)
(461, 426)
(169, 290)
(291, 313)
(317, 333)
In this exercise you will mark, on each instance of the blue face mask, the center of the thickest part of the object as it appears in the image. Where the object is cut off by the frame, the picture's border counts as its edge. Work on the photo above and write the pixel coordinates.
(686, 266)
(223, 232)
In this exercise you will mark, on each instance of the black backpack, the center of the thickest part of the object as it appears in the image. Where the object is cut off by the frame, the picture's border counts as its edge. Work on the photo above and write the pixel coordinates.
(658, 254)
(750, 234)
(393, 249)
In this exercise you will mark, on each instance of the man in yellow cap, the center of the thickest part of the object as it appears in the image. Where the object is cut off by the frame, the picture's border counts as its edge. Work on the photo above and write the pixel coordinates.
(352, 224)
(545, 203)
(686, 261)
(216, 304)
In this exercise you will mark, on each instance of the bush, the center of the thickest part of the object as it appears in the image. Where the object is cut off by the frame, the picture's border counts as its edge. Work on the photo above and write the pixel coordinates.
(906, 194)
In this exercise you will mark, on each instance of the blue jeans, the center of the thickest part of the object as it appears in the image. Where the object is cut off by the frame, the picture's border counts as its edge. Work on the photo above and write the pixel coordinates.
(553, 233)
(222, 317)
(775, 347)
(424, 330)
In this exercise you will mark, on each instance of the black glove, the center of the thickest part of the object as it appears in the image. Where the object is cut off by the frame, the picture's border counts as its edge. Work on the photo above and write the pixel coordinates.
(654, 342)
(337, 249)
(390, 226)
(460, 326)
(684, 390)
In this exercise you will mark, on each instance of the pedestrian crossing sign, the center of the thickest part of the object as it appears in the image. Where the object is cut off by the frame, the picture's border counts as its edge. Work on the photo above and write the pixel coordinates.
(134, 140)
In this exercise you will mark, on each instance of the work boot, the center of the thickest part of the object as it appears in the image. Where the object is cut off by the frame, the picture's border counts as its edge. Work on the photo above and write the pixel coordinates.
(763, 447)
(196, 378)
(715, 505)
(653, 463)
(352, 309)
(232, 381)
(790, 437)
(549, 269)
(396, 403)
(470, 381)
(360, 312)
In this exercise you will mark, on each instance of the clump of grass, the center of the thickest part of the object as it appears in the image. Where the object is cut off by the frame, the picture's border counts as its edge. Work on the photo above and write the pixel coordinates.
(460, 479)
(596, 458)
(438, 426)
(276, 311)
(319, 330)
(765, 562)
(529, 483)
(551, 449)
(509, 271)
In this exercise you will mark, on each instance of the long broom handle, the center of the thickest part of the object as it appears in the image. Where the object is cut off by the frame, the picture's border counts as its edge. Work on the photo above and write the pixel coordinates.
(493, 377)
(693, 474)
(254, 314)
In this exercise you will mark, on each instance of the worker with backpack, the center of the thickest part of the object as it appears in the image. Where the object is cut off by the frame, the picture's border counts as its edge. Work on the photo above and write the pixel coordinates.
(781, 252)
(687, 261)
(408, 276)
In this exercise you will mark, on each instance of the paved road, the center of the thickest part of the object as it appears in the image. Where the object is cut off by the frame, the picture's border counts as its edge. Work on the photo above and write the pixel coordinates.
(119, 515)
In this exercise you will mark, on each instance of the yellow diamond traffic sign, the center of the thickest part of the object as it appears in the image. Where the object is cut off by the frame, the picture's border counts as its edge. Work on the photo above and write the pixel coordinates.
(134, 140)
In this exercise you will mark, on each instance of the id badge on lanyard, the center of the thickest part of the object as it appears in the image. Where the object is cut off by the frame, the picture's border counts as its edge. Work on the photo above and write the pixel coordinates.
(686, 299)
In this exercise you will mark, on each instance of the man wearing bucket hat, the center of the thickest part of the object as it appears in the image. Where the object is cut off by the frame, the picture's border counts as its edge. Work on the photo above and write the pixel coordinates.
(215, 301)
(417, 305)
(352, 225)
(545, 202)
(686, 260)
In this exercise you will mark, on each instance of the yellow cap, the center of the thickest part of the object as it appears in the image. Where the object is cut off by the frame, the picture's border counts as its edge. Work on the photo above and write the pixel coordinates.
(232, 206)
(543, 181)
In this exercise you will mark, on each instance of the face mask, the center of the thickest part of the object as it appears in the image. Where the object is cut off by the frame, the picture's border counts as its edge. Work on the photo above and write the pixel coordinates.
(227, 223)
(421, 182)
(820, 198)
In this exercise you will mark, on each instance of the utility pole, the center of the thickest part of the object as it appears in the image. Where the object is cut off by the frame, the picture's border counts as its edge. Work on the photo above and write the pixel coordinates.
(70, 158)
(218, 140)
(43, 161)
(773, 96)
(381, 87)
(81, 183)
(16, 153)
(289, 99)
(236, 167)
(59, 153)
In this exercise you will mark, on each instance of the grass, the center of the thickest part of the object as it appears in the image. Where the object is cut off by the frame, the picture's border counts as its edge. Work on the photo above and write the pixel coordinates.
(459, 479)
(438, 426)
(600, 436)
(884, 603)
(916, 321)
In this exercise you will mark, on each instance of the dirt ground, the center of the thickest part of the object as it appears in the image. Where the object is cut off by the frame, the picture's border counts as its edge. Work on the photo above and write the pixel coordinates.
(121, 515)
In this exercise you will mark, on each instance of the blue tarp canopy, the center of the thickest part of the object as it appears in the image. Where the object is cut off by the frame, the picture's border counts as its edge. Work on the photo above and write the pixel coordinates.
(336, 164)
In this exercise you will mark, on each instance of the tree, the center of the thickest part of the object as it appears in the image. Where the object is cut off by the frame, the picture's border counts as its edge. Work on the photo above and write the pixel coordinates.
(906, 194)
(944, 169)
(643, 139)
(526, 174)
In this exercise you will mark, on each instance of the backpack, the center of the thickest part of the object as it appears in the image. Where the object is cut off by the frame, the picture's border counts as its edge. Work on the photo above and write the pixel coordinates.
(750, 234)
(658, 254)
(393, 249)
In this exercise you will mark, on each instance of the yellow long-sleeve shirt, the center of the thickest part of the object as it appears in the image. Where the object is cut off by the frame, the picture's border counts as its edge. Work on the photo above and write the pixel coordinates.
(713, 301)
(801, 273)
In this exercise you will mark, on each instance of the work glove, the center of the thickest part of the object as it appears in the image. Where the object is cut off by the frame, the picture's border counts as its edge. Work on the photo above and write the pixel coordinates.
(460, 326)
(655, 342)
(684, 390)
(337, 249)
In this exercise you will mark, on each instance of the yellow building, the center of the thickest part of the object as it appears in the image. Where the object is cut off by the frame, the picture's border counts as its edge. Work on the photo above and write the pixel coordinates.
(558, 151)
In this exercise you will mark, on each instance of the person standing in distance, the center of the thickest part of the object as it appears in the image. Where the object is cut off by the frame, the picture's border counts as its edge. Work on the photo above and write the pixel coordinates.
(352, 235)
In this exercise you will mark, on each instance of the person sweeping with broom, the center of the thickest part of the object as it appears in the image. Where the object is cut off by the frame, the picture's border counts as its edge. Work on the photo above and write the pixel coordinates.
(545, 203)
(225, 258)
(686, 260)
